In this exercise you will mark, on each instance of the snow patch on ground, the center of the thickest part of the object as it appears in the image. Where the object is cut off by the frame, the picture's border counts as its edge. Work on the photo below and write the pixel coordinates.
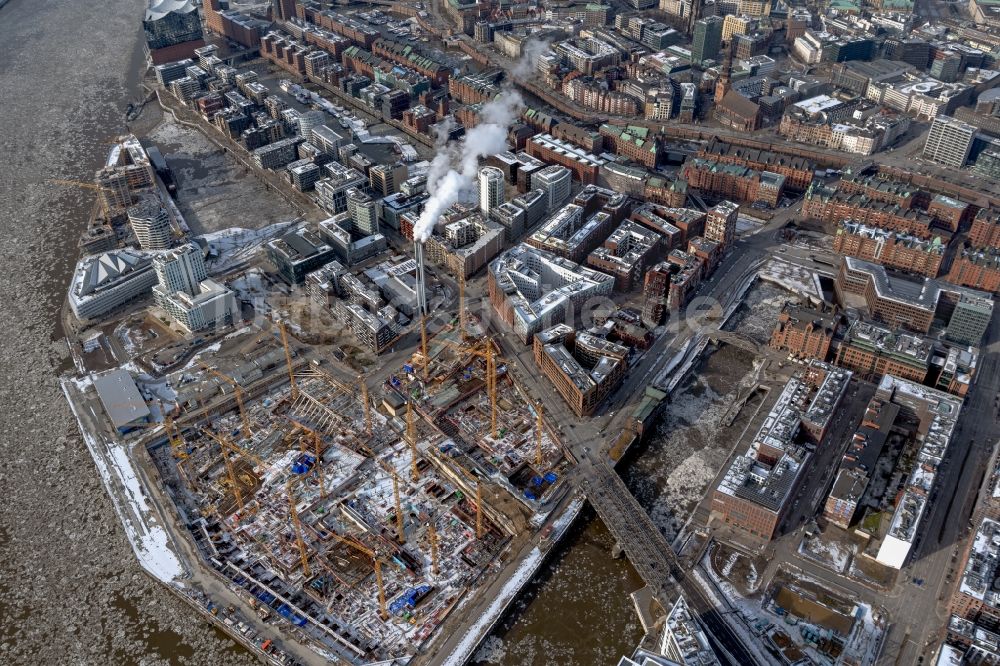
(795, 279)
(148, 538)
(830, 554)
(511, 588)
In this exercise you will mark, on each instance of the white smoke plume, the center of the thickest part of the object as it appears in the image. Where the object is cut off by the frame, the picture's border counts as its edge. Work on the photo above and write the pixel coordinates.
(530, 53)
(454, 168)
(442, 153)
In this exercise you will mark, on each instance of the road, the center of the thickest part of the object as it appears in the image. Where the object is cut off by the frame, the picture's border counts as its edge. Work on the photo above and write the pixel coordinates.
(585, 439)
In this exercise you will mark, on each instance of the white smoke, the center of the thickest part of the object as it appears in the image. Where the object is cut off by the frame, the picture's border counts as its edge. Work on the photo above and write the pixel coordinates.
(532, 50)
(442, 153)
(454, 168)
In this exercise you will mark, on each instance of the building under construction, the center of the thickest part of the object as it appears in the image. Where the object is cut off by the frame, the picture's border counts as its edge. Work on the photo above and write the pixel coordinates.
(361, 517)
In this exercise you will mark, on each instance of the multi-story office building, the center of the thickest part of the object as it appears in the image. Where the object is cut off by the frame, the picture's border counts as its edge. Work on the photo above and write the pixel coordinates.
(585, 166)
(491, 189)
(297, 253)
(104, 282)
(363, 212)
(385, 179)
(570, 235)
(915, 305)
(303, 174)
(531, 289)
(555, 182)
(949, 141)
(331, 190)
(181, 269)
(970, 318)
(277, 154)
(625, 254)
(584, 368)
(187, 294)
(756, 489)
(707, 39)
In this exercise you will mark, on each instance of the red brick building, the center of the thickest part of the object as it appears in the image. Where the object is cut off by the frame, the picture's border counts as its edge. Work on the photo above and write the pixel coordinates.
(805, 332)
(900, 251)
(585, 166)
(985, 230)
(798, 171)
(638, 144)
(733, 181)
(832, 206)
(976, 268)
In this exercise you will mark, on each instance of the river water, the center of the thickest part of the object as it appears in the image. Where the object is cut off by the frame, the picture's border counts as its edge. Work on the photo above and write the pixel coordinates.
(71, 591)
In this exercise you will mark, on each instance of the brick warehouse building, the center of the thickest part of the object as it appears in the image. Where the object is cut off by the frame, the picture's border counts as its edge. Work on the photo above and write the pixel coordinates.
(805, 332)
(585, 166)
(832, 206)
(733, 181)
(976, 268)
(889, 248)
(798, 171)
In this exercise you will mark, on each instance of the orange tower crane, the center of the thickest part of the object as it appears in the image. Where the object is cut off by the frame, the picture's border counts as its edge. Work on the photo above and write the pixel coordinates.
(303, 553)
(238, 391)
(288, 360)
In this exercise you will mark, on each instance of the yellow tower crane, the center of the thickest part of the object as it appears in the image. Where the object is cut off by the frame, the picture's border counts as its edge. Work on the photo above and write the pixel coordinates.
(411, 439)
(100, 189)
(479, 509)
(238, 391)
(288, 360)
(367, 406)
(432, 535)
(423, 346)
(174, 437)
(461, 306)
(400, 526)
(491, 385)
(317, 441)
(376, 564)
(539, 429)
(303, 553)
(225, 447)
(489, 355)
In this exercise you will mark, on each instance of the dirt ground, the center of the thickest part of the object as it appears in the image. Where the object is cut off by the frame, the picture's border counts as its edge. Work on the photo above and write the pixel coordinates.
(214, 191)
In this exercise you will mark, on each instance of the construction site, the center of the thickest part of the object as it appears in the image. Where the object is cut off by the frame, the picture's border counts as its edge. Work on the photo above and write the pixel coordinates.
(361, 512)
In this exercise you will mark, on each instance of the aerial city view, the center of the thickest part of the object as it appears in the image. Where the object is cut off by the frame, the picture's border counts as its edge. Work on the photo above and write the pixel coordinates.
(554, 332)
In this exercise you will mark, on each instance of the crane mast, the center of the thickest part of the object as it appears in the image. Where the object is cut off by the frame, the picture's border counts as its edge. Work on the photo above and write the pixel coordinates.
(288, 360)
(303, 553)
